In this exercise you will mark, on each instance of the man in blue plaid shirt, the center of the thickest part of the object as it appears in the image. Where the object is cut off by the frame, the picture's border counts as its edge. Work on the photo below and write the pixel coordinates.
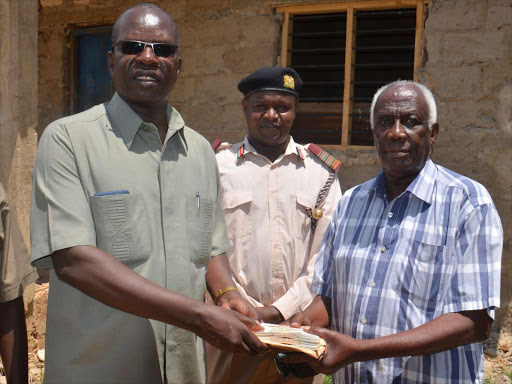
(408, 276)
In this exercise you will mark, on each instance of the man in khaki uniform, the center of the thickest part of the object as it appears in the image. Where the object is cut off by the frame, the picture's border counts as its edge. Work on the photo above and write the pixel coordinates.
(126, 209)
(277, 197)
(15, 274)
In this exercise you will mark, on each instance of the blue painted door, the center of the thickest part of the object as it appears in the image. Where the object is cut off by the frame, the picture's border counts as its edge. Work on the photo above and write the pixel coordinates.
(93, 83)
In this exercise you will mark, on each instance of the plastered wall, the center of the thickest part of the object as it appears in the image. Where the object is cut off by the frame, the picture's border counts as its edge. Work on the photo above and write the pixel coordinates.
(18, 115)
(467, 63)
(468, 66)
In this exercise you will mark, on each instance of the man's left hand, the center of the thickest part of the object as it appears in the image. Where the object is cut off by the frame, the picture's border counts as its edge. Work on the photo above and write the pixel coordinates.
(234, 301)
(341, 351)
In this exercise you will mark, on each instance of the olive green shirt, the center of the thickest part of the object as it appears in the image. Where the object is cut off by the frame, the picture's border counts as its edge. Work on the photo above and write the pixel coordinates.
(161, 216)
(15, 270)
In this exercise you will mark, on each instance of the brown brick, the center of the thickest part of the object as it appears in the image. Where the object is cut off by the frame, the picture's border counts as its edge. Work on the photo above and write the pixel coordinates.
(50, 3)
(495, 74)
(233, 115)
(56, 46)
(51, 69)
(175, 8)
(188, 35)
(454, 116)
(455, 15)
(456, 82)
(184, 90)
(261, 30)
(473, 47)
(504, 112)
(434, 45)
(221, 89)
(202, 116)
(226, 30)
(194, 5)
(498, 16)
(251, 7)
(203, 61)
(248, 59)
(52, 94)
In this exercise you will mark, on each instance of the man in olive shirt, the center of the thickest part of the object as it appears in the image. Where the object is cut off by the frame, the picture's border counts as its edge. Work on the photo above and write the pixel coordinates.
(15, 274)
(126, 209)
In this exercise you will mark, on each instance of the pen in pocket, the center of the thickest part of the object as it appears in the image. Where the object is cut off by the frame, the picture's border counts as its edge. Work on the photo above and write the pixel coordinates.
(198, 202)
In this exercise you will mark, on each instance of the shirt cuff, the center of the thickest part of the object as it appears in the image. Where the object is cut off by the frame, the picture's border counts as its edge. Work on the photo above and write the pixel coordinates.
(43, 249)
(220, 249)
(17, 291)
(490, 305)
(288, 305)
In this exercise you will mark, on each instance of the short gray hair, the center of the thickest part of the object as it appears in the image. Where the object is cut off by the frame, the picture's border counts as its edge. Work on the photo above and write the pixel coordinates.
(429, 97)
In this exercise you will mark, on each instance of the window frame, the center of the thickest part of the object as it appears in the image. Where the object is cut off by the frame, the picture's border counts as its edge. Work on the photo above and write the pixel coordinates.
(349, 7)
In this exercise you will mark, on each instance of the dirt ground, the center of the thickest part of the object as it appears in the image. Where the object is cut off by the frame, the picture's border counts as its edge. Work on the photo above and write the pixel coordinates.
(498, 349)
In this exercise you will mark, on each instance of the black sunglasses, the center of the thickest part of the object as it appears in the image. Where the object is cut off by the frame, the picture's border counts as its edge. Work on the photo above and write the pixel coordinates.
(132, 47)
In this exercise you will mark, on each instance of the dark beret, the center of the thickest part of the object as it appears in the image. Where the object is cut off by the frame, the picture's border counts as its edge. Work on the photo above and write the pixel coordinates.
(271, 79)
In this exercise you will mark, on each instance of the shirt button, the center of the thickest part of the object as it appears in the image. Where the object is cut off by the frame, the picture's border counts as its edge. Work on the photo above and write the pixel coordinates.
(363, 320)
(373, 284)
(383, 249)
(390, 215)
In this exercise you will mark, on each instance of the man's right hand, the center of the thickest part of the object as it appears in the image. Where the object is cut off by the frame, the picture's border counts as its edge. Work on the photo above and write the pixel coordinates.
(230, 331)
(297, 320)
(269, 314)
(316, 314)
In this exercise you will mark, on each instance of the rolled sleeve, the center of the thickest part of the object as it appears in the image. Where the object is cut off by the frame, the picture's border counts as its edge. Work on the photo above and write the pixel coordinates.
(478, 249)
(15, 270)
(60, 214)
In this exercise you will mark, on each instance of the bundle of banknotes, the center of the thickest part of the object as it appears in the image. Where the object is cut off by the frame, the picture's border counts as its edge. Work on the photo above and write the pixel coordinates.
(292, 339)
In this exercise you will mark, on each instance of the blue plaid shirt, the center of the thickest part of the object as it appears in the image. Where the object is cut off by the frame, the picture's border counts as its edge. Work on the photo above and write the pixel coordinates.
(391, 267)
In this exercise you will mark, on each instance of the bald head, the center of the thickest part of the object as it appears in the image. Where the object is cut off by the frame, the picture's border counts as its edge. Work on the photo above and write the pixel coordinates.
(150, 12)
(144, 77)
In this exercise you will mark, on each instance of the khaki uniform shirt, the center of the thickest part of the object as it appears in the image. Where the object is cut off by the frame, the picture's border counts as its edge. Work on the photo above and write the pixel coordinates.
(163, 220)
(272, 247)
(15, 270)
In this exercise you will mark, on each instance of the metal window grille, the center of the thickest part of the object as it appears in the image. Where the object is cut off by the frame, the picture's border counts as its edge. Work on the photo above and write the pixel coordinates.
(383, 49)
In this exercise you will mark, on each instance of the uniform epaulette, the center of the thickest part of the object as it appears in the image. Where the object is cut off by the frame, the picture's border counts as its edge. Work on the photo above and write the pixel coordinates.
(325, 157)
(217, 145)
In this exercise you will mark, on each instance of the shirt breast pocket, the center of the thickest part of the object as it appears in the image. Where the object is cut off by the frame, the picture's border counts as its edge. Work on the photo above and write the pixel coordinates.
(121, 227)
(419, 273)
(237, 206)
(201, 212)
(302, 223)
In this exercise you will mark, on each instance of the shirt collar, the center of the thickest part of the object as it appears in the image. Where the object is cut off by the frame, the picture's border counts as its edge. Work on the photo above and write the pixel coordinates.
(291, 149)
(422, 186)
(127, 122)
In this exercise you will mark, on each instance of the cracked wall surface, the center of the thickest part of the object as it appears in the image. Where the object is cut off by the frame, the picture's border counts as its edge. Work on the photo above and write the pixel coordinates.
(468, 66)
